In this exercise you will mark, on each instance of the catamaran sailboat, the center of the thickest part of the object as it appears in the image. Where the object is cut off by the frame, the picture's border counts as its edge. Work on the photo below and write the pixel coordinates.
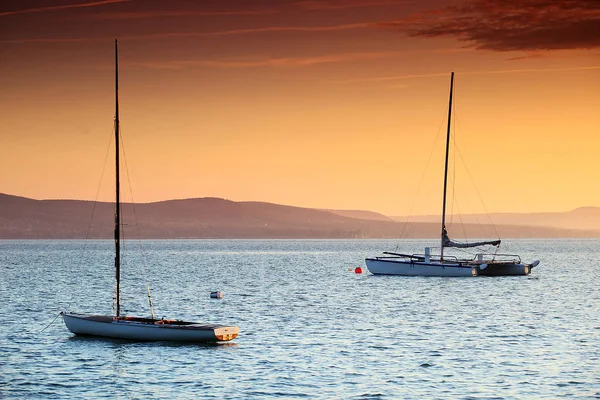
(138, 328)
(427, 264)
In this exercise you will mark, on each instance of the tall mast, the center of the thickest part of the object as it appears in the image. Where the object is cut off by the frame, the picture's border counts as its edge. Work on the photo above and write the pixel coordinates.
(118, 200)
(446, 169)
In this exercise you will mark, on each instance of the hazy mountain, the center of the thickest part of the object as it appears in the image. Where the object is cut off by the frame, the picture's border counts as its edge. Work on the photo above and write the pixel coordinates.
(218, 218)
(190, 218)
(587, 218)
(361, 214)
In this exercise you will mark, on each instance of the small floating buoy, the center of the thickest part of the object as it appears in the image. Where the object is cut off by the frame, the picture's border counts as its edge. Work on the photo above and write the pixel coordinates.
(358, 270)
(216, 295)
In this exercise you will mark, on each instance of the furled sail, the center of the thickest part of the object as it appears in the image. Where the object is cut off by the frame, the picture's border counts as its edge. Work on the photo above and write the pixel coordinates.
(447, 242)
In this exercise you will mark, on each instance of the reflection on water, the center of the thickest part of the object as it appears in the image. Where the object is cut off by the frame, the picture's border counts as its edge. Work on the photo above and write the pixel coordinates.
(309, 326)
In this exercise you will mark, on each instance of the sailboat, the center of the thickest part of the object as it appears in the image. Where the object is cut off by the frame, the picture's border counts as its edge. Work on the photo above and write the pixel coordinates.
(427, 264)
(138, 328)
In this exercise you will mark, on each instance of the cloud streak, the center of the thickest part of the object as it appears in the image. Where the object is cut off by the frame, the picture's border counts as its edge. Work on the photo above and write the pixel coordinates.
(511, 25)
(125, 15)
(485, 72)
(319, 28)
(281, 62)
(230, 32)
(66, 6)
(328, 5)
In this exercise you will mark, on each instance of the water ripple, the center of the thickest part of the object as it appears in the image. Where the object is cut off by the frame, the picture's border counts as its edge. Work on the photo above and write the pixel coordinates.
(310, 327)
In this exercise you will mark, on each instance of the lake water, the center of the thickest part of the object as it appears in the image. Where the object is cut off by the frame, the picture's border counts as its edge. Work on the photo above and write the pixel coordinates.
(309, 326)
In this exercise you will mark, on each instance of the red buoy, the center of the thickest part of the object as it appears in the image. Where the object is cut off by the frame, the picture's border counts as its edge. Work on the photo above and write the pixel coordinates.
(358, 270)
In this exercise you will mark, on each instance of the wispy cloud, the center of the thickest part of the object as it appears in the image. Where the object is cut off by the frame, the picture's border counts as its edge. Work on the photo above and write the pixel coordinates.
(391, 78)
(511, 25)
(65, 6)
(527, 55)
(337, 5)
(56, 40)
(280, 62)
(517, 71)
(398, 86)
(123, 15)
(485, 72)
(318, 28)
(245, 31)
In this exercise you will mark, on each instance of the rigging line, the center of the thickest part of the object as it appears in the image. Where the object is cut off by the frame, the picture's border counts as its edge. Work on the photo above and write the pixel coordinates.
(123, 250)
(137, 229)
(454, 201)
(456, 147)
(98, 190)
(478, 194)
(477, 190)
(421, 181)
(466, 240)
(453, 138)
(462, 223)
(453, 179)
(89, 228)
(478, 249)
(480, 225)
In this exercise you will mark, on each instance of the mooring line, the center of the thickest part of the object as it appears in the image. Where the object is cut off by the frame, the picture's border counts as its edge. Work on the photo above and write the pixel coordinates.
(47, 326)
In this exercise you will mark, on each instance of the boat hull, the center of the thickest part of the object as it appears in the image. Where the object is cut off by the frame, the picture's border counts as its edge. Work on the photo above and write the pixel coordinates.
(378, 266)
(506, 270)
(147, 330)
(407, 268)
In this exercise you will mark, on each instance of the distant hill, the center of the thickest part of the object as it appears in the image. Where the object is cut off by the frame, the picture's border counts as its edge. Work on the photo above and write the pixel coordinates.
(361, 214)
(583, 218)
(24, 218)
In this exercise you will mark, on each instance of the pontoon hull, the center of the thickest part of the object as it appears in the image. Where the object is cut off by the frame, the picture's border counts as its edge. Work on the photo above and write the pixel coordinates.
(107, 326)
(506, 270)
(407, 268)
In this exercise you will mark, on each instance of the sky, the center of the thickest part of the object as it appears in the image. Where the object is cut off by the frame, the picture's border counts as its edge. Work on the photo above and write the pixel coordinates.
(335, 104)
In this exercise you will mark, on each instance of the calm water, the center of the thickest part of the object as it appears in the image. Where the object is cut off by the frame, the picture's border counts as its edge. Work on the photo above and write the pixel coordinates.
(309, 326)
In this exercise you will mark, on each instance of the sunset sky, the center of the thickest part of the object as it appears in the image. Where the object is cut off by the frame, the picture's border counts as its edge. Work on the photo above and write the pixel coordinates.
(325, 103)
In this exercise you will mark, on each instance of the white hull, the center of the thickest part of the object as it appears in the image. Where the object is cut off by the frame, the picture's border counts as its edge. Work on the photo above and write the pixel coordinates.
(147, 330)
(405, 267)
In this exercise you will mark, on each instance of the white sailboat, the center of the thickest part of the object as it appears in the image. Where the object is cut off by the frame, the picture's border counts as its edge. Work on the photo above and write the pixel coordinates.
(138, 328)
(427, 264)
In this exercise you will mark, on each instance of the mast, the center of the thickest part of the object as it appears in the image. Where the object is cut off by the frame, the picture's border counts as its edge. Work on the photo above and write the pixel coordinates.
(446, 170)
(118, 200)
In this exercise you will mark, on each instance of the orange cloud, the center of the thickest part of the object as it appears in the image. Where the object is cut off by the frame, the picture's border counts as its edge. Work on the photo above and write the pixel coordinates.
(511, 25)
(283, 62)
